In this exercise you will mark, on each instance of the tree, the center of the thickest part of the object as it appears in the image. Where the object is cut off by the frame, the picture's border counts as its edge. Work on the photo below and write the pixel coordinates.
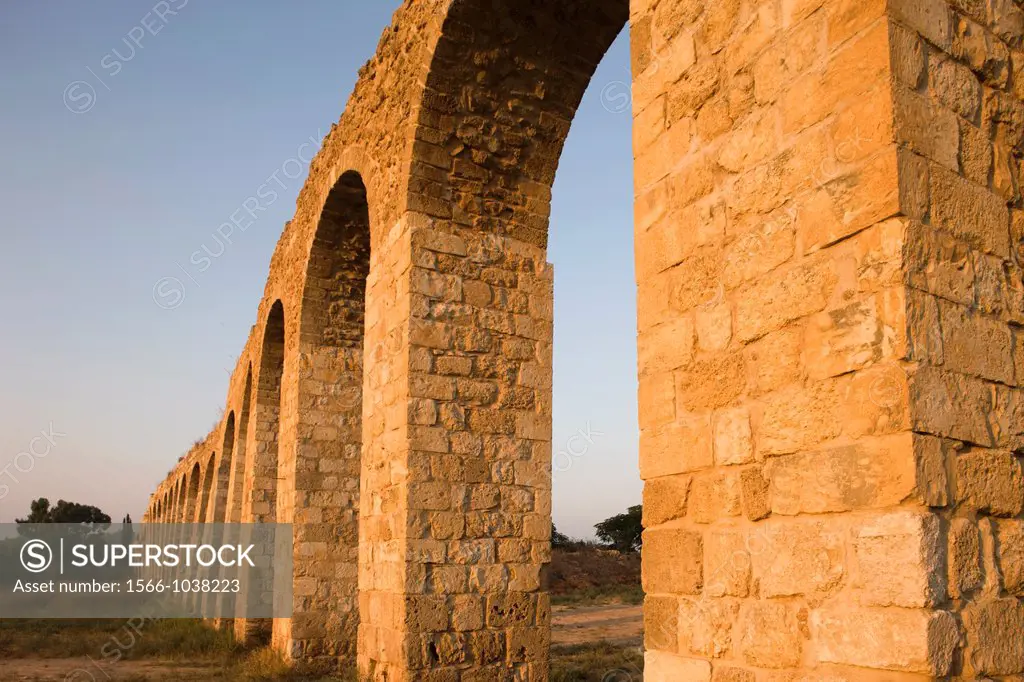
(622, 531)
(64, 512)
(559, 540)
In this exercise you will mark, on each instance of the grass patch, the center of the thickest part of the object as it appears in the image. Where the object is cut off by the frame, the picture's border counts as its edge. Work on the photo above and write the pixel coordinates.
(172, 639)
(266, 665)
(601, 596)
(596, 662)
(191, 642)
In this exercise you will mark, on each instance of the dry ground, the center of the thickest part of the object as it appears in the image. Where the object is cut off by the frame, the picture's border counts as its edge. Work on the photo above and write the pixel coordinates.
(588, 645)
(597, 628)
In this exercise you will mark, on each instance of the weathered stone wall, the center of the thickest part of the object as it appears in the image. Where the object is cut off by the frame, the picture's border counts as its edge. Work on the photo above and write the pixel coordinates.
(958, 97)
(786, 512)
(827, 219)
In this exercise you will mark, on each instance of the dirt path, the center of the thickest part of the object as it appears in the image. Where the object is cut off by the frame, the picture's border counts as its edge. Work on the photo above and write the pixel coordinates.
(621, 624)
(618, 624)
(85, 670)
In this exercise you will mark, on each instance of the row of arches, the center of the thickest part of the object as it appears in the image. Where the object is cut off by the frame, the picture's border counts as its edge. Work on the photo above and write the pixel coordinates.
(296, 459)
(400, 371)
(220, 467)
(396, 401)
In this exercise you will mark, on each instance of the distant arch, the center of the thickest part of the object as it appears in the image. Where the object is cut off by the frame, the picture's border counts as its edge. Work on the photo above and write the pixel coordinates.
(204, 500)
(192, 497)
(263, 491)
(236, 491)
(179, 514)
(224, 465)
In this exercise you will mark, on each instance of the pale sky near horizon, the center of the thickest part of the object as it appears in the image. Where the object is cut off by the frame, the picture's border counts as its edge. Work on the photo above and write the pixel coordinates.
(123, 157)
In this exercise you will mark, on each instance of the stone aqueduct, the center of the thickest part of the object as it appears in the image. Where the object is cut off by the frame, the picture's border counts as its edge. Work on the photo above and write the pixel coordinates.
(828, 231)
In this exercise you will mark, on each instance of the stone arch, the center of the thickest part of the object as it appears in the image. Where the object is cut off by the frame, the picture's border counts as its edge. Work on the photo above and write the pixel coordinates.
(501, 89)
(236, 491)
(224, 466)
(208, 489)
(192, 496)
(262, 491)
(497, 121)
(179, 512)
(177, 499)
(263, 475)
(322, 482)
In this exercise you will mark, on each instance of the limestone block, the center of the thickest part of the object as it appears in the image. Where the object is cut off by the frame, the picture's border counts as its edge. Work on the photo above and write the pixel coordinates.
(714, 327)
(1011, 555)
(665, 499)
(706, 626)
(970, 212)
(798, 417)
(769, 634)
(803, 557)
(711, 382)
(956, 87)
(975, 344)
(661, 623)
(909, 640)
(951, 405)
(680, 447)
(931, 18)
(846, 339)
(875, 472)
(733, 443)
(850, 70)
(847, 18)
(964, 558)
(995, 646)
(927, 128)
(724, 674)
(728, 566)
(672, 561)
(990, 482)
(663, 667)
(899, 560)
(656, 401)
(774, 360)
(908, 56)
(716, 495)
(783, 296)
(756, 494)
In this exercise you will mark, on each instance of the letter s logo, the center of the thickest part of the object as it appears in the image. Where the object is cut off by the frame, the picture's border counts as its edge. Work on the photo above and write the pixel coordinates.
(36, 556)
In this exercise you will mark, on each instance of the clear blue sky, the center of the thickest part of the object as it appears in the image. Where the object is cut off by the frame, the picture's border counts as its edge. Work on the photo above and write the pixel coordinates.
(173, 132)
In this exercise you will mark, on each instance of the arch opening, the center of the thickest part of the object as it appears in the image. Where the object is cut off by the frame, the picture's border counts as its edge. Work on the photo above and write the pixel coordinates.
(236, 492)
(263, 491)
(224, 466)
(208, 476)
(179, 513)
(502, 88)
(328, 435)
(192, 496)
